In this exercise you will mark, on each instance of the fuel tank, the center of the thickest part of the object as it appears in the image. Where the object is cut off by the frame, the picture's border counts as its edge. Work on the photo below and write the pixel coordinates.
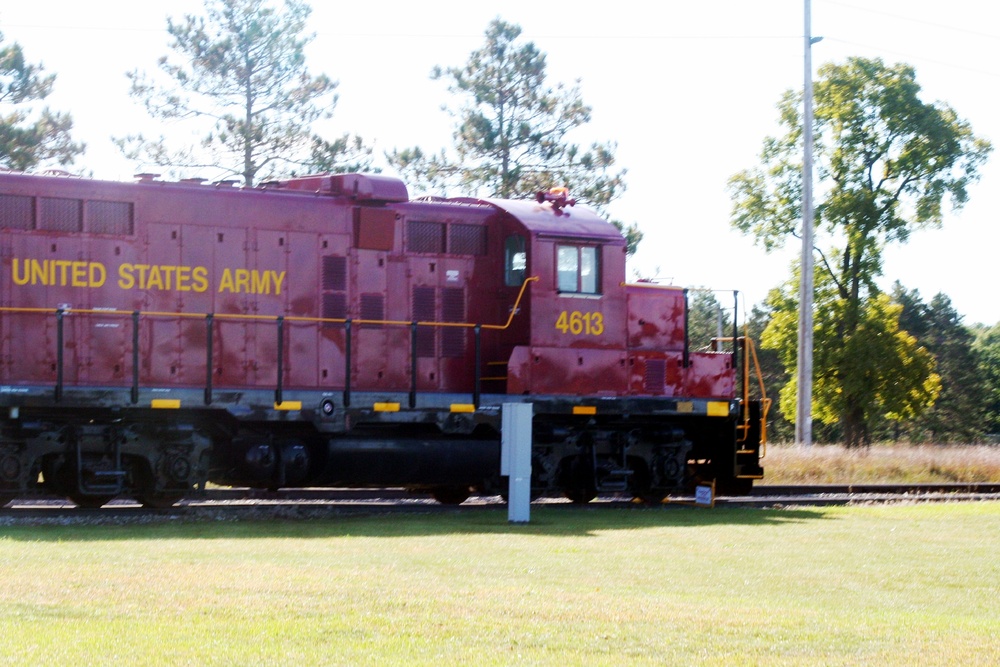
(409, 461)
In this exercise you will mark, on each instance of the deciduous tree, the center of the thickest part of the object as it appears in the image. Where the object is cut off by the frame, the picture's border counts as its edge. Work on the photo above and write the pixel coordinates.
(773, 374)
(886, 161)
(877, 372)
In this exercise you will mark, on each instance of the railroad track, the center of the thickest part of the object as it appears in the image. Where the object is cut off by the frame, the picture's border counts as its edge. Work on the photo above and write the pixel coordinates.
(232, 504)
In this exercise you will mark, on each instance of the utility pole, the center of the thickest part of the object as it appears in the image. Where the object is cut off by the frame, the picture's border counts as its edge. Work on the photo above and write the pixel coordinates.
(803, 419)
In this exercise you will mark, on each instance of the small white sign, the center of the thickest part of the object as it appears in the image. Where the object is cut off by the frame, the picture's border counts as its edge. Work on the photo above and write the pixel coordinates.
(703, 496)
(452, 275)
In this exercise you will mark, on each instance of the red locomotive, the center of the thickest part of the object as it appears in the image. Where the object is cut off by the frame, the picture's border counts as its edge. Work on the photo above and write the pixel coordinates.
(329, 331)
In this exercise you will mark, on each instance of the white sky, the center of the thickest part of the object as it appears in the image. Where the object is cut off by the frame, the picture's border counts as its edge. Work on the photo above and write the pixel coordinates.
(688, 90)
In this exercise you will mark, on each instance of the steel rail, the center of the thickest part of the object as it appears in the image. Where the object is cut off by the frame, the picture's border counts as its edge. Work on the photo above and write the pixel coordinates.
(223, 498)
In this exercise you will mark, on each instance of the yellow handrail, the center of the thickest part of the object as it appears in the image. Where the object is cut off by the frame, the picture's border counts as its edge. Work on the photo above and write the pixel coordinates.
(750, 352)
(273, 318)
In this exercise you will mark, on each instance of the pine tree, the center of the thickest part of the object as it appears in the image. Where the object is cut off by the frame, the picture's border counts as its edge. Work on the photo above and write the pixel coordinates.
(238, 76)
(511, 136)
(30, 137)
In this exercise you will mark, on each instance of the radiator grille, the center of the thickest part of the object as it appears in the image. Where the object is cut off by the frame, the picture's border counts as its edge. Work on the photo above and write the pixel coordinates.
(335, 306)
(110, 217)
(424, 311)
(425, 237)
(656, 375)
(17, 212)
(453, 310)
(60, 215)
(466, 239)
(335, 273)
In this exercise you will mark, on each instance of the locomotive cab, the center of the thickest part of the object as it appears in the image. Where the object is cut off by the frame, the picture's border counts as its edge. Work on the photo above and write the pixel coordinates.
(622, 401)
(572, 315)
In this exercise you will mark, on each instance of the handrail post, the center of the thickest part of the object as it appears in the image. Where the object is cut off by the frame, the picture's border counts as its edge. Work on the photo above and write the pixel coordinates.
(687, 338)
(135, 357)
(347, 362)
(60, 313)
(736, 331)
(478, 329)
(281, 360)
(209, 357)
(413, 364)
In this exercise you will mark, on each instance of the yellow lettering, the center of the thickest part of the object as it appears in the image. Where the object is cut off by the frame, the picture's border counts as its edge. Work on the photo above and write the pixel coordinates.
(58, 273)
(261, 282)
(200, 279)
(20, 280)
(226, 283)
(562, 323)
(242, 280)
(596, 325)
(168, 273)
(143, 271)
(183, 275)
(63, 264)
(155, 280)
(125, 278)
(576, 323)
(79, 273)
(39, 271)
(98, 274)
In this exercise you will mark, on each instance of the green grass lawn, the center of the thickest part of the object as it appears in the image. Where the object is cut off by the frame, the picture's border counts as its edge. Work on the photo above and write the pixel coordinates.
(875, 585)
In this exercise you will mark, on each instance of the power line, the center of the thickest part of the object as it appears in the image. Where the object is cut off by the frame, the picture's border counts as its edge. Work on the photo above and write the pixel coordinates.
(453, 35)
(79, 28)
(913, 57)
(912, 20)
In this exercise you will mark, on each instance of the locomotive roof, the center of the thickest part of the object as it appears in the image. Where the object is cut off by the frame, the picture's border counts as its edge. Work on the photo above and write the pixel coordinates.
(539, 219)
(545, 220)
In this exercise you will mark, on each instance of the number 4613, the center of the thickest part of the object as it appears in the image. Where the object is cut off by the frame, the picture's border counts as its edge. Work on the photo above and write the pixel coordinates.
(576, 323)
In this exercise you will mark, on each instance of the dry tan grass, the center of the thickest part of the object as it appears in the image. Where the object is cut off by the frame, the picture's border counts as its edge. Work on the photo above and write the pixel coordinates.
(833, 464)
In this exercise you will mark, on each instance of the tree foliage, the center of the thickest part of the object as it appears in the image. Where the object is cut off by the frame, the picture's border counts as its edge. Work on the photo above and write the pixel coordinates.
(987, 351)
(708, 318)
(30, 137)
(345, 154)
(876, 371)
(239, 74)
(773, 374)
(886, 162)
(958, 414)
(511, 134)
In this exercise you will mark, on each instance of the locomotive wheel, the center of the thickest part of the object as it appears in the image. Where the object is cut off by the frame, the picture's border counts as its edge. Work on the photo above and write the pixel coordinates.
(450, 495)
(580, 496)
(90, 502)
(578, 481)
(159, 501)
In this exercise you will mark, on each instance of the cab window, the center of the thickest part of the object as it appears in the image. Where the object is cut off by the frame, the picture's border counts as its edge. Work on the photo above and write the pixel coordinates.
(515, 261)
(576, 268)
